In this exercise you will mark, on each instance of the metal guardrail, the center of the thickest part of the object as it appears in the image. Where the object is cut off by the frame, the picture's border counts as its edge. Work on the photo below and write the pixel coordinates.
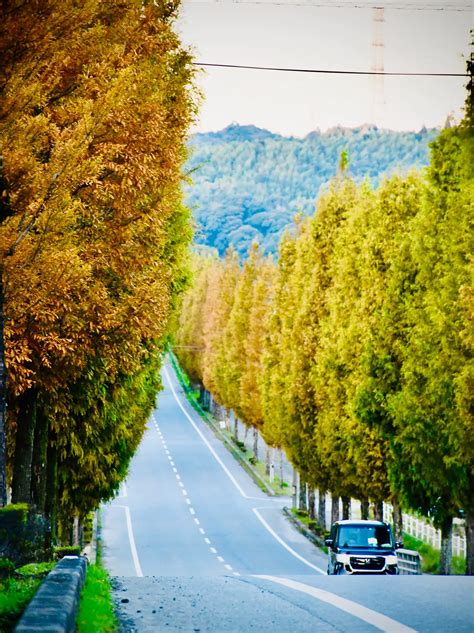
(409, 562)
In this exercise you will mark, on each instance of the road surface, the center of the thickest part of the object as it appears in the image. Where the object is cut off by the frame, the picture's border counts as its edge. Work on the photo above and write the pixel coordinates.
(196, 546)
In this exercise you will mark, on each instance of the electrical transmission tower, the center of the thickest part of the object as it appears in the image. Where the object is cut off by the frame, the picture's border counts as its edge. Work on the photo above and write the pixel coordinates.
(378, 86)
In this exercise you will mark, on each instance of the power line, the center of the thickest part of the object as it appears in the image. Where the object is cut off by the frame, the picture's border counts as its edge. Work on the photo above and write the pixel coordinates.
(463, 8)
(323, 71)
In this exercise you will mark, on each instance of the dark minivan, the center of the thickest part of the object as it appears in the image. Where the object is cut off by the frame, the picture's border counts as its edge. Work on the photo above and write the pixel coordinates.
(362, 547)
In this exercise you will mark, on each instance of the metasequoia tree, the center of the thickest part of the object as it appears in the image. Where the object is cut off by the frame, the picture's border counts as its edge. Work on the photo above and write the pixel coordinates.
(432, 440)
(235, 336)
(258, 313)
(276, 351)
(95, 107)
(189, 335)
(220, 298)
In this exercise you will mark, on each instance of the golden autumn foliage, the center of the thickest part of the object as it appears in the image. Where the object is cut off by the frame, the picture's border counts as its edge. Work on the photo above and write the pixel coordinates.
(96, 102)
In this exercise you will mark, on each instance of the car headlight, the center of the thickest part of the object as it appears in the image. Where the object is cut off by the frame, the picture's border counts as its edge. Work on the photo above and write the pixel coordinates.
(391, 560)
(343, 558)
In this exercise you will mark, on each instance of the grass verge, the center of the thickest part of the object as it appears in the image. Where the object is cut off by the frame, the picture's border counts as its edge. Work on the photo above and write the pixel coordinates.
(430, 556)
(96, 611)
(15, 594)
(255, 469)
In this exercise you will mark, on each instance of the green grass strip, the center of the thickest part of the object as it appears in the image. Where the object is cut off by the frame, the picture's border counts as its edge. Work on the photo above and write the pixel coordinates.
(430, 556)
(96, 611)
(15, 594)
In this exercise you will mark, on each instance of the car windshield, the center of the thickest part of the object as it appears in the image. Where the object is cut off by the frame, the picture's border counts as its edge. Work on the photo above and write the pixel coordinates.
(367, 536)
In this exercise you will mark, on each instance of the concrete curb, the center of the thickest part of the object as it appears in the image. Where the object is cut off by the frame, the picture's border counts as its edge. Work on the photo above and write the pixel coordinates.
(301, 527)
(54, 607)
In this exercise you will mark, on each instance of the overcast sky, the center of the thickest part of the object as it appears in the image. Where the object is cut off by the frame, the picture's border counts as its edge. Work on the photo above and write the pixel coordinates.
(291, 35)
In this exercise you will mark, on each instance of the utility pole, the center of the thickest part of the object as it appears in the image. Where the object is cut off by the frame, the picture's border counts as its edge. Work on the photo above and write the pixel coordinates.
(378, 46)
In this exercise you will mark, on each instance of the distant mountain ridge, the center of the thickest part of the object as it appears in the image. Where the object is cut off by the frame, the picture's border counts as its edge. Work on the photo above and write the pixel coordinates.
(248, 182)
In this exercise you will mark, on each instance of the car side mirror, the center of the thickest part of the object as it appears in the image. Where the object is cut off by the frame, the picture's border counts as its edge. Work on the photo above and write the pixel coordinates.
(398, 544)
(329, 542)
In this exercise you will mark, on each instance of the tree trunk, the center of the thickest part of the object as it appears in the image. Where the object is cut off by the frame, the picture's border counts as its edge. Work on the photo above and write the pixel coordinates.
(312, 503)
(272, 464)
(3, 404)
(295, 488)
(346, 507)
(378, 510)
(334, 508)
(236, 428)
(267, 461)
(75, 531)
(255, 443)
(303, 505)
(322, 509)
(469, 543)
(364, 509)
(446, 555)
(397, 520)
(227, 419)
(21, 482)
(38, 465)
(51, 501)
(282, 476)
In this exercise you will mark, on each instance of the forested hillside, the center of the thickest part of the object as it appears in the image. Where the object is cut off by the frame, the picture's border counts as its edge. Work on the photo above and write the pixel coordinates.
(248, 183)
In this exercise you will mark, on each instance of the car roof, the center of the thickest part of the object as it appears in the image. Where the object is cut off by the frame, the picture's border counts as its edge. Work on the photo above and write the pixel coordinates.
(360, 522)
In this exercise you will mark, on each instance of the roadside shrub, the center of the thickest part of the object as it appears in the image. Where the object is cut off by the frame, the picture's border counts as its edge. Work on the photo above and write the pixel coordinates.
(24, 536)
(67, 550)
(7, 567)
(36, 570)
(15, 594)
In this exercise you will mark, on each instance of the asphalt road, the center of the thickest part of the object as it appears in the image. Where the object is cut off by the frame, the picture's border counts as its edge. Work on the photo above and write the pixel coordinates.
(196, 546)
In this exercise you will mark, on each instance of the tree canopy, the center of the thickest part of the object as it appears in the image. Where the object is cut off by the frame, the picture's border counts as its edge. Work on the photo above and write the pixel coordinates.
(96, 101)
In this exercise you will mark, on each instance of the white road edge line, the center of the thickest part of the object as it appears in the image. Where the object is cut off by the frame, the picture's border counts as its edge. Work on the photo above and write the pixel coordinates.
(231, 477)
(198, 431)
(376, 619)
(131, 538)
(285, 545)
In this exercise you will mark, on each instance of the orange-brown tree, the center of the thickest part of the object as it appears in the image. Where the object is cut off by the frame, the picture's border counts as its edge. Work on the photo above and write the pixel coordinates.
(96, 100)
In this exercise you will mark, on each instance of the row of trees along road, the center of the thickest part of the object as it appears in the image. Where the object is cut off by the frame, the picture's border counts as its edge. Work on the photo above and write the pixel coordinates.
(96, 100)
(354, 351)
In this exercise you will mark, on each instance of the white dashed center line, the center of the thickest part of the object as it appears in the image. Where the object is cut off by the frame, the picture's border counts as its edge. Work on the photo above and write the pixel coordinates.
(188, 501)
